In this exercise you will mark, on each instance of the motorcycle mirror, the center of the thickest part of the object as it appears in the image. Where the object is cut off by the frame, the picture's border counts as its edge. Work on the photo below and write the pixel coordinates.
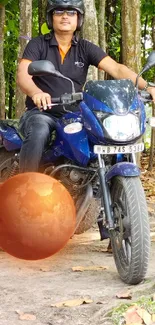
(43, 68)
(46, 68)
(150, 62)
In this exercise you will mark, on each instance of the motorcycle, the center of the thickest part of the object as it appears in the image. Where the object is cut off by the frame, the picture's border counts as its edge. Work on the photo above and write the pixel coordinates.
(93, 154)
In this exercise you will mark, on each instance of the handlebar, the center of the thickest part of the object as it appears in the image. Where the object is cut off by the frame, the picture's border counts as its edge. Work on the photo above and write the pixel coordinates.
(65, 99)
(68, 98)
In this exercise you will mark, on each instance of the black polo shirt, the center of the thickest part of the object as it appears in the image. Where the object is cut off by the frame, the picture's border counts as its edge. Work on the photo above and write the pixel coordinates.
(80, 56)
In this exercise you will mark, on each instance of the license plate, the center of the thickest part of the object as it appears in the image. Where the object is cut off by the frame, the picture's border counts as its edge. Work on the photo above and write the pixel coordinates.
(109, 150)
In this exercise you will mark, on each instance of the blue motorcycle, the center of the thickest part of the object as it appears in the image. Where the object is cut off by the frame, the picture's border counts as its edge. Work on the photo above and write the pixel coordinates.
(93, 153)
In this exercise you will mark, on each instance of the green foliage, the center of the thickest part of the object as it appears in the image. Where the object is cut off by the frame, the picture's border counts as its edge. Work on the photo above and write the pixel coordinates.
(10, 48)
(112, 28)
(147, 14)
(4, 2)
(113, 31)
(35, 25)
(117, 314)
(44, 29)
(147, 8)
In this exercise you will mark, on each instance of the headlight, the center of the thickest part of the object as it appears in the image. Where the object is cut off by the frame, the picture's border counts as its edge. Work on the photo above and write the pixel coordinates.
(122, 128)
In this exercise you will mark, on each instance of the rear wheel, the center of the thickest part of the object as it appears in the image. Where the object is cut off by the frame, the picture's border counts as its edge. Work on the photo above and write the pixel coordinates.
(131, 238)
(8, 165)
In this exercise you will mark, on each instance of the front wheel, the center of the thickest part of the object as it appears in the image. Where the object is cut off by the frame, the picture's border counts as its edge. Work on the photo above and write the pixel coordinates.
(131, 237)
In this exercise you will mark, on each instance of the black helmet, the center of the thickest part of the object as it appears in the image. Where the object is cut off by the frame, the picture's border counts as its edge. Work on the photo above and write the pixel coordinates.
(66, 4)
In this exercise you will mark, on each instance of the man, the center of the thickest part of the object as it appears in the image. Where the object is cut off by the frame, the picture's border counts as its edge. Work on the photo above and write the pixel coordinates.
(72, 57)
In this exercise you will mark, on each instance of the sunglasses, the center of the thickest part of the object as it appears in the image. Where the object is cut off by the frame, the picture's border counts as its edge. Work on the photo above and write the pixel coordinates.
(60, 12)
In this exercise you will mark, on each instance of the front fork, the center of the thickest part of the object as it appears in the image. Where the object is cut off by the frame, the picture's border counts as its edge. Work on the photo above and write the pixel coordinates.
(124, 169)
(106, 207)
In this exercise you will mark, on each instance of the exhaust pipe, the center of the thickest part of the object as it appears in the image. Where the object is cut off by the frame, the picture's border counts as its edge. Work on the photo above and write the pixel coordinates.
(84, 205)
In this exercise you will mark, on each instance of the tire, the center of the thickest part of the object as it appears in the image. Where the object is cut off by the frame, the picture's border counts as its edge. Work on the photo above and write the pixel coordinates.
(90, 217)
(6, 164)
(131, 238)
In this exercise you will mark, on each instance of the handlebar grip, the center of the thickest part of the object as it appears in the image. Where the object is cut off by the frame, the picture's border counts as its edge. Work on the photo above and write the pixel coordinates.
(56, 100)
(68, 98)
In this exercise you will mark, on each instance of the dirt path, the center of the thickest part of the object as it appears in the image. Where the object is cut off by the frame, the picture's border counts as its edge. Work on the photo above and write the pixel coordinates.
(31, 287)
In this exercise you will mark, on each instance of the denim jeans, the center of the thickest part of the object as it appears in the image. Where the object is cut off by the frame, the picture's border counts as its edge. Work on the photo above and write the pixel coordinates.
(36, 128)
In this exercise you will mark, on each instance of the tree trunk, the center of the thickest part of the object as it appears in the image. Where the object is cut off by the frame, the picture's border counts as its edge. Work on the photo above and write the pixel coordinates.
(2, 76)
(90, 32)
(25, 30)
(41, 13)
(131, 34)
(101, 27)
(131, 38)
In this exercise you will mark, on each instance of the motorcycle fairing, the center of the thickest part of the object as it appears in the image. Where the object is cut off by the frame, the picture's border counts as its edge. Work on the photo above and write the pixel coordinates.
(73, 146)
(91, 123)
(11, 139)
(114, 95)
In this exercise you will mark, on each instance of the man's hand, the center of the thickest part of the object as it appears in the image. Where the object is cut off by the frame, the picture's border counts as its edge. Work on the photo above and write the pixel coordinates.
(42, 99)
(151, 91)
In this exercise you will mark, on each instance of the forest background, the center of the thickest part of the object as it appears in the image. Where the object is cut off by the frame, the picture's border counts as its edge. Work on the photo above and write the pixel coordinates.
(125, 29)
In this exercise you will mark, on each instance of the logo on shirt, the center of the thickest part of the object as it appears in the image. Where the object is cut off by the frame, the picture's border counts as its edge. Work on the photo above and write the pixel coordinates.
(79, 64)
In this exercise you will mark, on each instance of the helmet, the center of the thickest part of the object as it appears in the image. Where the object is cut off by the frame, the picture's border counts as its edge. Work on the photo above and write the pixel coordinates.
(65, 4)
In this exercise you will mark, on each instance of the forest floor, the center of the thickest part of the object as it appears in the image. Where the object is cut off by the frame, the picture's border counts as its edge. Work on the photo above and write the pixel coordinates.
(79, 285)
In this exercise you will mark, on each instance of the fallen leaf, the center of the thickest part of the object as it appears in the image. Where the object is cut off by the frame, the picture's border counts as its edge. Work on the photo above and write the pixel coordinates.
(89, 268)
(124, 295)
(72, 303)
(134, 323)
(144, 315)
(152, 235)
(131, 316)
(45, 269)
(24, 316)
(151, 210)
(27, 317)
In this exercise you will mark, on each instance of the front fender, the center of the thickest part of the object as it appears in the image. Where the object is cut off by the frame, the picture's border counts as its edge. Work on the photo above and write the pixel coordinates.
(125, 169)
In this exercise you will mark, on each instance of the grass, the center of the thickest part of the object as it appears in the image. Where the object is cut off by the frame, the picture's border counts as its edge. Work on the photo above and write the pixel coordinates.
(117, 314)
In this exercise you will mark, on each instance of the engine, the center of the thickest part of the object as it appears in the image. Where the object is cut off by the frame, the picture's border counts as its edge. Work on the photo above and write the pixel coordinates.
(73, 180)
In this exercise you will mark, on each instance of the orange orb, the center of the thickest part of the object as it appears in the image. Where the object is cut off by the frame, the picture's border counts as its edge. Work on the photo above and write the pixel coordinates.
(37, 216)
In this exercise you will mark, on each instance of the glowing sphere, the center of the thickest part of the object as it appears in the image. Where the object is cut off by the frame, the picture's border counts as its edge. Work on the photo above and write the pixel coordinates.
(37, 216)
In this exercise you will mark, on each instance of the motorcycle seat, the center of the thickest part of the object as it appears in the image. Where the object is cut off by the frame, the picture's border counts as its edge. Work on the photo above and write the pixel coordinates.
(3, 126)
(11, 123)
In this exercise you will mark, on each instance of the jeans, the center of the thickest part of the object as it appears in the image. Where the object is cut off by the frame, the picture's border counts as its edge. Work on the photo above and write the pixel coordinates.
(36, 127)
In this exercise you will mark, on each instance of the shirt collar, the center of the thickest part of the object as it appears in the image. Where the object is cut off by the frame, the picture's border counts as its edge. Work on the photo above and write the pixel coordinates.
(53, 42)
